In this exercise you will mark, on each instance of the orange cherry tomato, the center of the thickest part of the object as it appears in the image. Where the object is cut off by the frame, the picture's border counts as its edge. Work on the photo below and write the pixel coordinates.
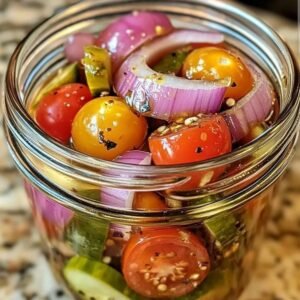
(106, 128)
(56, 111)
(148, 201)
(165, 263)
(213, 63)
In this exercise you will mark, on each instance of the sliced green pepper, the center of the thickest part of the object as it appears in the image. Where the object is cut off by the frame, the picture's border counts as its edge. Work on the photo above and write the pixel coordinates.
(224, 232)
(97, 67)
(67, 74)
(172, 62)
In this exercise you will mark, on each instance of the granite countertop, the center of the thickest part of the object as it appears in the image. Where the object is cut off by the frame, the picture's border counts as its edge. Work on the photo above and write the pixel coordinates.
(24, 272)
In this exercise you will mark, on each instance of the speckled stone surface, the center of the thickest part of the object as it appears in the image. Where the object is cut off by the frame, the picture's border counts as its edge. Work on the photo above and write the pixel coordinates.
(24, 272)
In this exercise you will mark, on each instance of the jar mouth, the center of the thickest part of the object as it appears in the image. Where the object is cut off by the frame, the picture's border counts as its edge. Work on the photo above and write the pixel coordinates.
(276, 59)
(182, 216)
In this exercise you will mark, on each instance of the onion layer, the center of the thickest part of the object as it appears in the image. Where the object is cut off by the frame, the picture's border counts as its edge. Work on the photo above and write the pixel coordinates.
(128, 33)
(124, 198)
(165, 96)
(253, 108)
(74, 47)
(49, 209)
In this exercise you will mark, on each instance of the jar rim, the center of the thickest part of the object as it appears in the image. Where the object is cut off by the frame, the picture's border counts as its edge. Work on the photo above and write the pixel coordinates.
(13, 103)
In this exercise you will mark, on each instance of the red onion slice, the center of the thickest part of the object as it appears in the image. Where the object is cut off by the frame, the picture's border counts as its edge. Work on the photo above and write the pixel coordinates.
(74, 47)
(252, 108)
(165, 96)
(52, 211)
(124, 198)
(128, 33)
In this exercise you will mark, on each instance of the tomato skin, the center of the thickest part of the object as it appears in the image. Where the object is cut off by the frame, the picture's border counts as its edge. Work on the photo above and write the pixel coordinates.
(106, 128)
(209, 138)
(56, 111)
(214, 63)
(148, 201)
(165, 263)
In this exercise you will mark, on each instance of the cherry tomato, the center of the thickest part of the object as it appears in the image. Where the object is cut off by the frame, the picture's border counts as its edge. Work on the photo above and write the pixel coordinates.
(148, 201)
(106, 128)
(202, 139)
(56, 111)
(213, 63)
(165, 263)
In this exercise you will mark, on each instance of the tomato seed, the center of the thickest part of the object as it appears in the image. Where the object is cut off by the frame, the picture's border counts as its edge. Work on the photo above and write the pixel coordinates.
(230, 102)
(194, 276)
(190, 121)
(161, 129)
(107, 259)
(170, 254)
(162, 287)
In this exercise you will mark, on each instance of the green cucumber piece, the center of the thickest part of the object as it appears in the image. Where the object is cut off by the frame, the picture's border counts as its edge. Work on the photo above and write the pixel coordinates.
(95, 280)
(67, 74)
(172, 62)
(224, 233)
(97, 67)
(215, 286)
(87, 236)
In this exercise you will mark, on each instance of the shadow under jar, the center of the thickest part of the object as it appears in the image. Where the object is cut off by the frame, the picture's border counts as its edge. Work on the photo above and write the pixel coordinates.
(210, 233)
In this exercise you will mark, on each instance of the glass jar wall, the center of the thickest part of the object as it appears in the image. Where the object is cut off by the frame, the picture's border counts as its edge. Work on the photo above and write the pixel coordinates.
(206, 238)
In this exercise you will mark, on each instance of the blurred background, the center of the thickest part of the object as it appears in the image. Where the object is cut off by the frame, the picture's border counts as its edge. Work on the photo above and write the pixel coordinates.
(287, 8)
(24, 273)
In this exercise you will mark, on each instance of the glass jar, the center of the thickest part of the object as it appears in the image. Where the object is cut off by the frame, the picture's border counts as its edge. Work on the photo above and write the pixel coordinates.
(217, 226)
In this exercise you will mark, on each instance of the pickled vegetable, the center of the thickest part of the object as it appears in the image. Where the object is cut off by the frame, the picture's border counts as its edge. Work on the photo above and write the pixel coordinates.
(172, 62)
(223, 231)
(97, 67)
(68, 74)
(87, 236)
(96, 280)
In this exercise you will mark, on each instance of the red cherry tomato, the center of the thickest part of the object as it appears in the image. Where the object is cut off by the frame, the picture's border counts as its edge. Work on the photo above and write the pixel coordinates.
(165, 263)
(56, 111)
(203, 139)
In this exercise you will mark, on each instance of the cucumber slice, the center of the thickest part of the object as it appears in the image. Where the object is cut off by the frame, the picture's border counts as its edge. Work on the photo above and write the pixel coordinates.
(224, 233)
(87, 236)
(96, 280)
(68, 74)
(172, 62)
(97, 67)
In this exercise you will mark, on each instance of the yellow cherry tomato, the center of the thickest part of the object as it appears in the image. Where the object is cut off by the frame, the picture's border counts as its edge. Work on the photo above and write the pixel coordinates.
(213, 63)
(106, 128)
